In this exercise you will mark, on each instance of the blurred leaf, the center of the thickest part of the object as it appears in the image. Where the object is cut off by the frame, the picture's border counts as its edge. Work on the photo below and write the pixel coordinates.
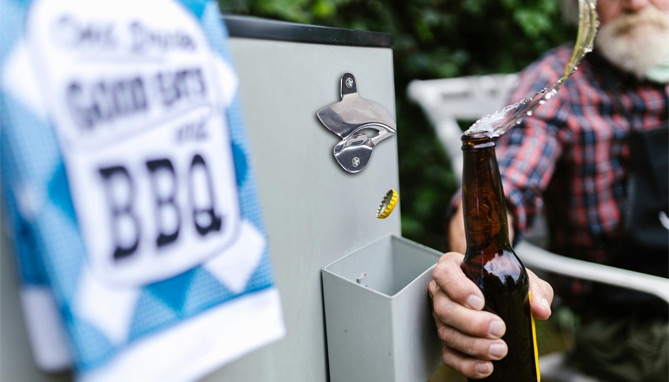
(293, 10)
(423, 31)
(323, 8)
(533, 22)
(473, 6)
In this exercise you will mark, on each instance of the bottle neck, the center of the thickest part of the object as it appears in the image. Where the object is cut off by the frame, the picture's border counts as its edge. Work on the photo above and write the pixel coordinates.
(484, 207)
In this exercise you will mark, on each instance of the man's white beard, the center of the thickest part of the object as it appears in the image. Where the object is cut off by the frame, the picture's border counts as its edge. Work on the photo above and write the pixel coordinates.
(636, 42)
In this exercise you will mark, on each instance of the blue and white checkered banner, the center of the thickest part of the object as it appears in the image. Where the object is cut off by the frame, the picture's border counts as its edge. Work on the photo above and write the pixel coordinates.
(128, 190)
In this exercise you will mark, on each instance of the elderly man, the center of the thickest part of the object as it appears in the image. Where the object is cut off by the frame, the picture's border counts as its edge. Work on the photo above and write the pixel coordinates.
(572, 158)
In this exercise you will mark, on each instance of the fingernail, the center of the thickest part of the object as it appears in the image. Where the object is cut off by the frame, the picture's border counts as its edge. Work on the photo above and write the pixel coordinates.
(484, 368)
(497, 328)
(497, 351)
(546, 304)
(475, 302)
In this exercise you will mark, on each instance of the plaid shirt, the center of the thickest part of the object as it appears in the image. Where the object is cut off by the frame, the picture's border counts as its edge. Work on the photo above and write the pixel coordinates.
(571, 157)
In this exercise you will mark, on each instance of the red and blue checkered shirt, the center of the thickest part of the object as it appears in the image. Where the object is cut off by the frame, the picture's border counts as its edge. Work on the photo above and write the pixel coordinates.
(571, 157)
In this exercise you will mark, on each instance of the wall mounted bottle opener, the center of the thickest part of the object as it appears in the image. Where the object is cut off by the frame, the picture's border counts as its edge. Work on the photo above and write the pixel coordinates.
(361, 124)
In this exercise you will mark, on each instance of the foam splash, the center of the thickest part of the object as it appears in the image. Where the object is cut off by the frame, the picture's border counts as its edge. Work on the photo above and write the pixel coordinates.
(499, 122)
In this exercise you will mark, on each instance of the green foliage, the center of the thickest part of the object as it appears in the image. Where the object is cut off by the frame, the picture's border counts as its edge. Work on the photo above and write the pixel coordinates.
(431, 39)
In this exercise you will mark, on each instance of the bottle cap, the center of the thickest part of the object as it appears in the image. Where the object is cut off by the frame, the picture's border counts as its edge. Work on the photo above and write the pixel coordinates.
(388, 204)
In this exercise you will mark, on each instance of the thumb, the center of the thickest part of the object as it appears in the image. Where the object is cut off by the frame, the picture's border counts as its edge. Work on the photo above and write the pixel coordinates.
(542, 297)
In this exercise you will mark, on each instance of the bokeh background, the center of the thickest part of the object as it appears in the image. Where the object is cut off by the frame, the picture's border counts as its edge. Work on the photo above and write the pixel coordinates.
(432, 39)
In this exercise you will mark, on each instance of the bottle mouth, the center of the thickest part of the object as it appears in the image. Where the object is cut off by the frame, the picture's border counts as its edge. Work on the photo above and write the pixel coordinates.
(476, 141)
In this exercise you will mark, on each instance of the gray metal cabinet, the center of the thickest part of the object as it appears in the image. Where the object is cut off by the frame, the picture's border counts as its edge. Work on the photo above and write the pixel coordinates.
(314, 211)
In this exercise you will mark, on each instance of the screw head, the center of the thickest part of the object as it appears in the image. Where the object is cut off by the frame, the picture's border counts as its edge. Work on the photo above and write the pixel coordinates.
(349, 82)
(355, 162)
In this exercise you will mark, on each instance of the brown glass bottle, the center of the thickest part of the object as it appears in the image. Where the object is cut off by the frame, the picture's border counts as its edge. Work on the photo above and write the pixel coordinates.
(491, 262)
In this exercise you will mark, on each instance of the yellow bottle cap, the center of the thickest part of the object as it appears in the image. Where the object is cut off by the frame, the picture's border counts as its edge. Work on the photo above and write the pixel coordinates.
(388, 204)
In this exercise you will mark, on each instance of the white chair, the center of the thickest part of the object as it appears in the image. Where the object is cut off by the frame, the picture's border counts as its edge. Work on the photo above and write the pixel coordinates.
(447, 101)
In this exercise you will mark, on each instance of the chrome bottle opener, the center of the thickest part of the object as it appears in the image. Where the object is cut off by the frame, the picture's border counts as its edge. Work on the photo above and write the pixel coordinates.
(361, 124)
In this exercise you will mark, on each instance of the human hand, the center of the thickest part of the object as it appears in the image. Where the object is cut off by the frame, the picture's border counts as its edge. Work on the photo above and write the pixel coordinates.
(471, 337)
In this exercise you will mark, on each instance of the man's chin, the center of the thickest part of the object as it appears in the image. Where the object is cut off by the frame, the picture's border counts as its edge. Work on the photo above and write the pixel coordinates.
(638, 49)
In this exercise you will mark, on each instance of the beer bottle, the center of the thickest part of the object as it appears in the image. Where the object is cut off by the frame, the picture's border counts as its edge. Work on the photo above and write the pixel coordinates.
(491, 262)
